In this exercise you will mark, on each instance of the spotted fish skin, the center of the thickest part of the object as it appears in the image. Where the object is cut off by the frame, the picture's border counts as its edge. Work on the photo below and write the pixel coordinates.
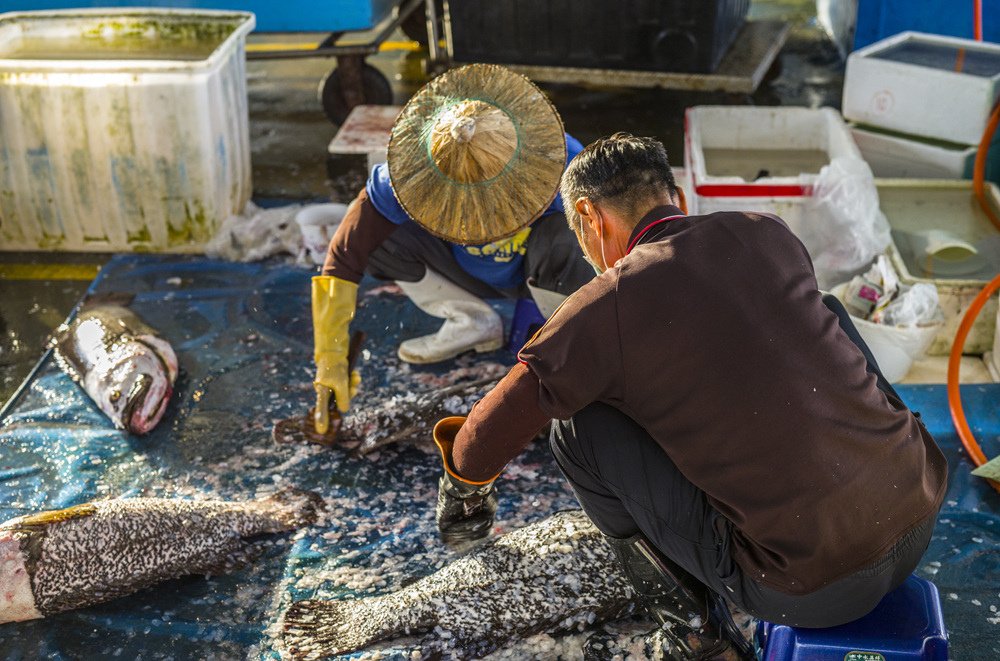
(550, 576)
(122, 363)
(95, 552)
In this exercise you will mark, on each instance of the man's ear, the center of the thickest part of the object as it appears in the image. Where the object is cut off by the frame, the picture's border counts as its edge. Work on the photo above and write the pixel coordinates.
(682, 202)
(589, 213)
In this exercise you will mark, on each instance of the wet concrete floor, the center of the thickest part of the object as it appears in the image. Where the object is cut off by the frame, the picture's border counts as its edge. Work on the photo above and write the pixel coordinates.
(289, 136)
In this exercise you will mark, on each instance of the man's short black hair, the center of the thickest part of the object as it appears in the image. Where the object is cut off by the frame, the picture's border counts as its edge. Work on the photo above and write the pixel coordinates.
(622, 170)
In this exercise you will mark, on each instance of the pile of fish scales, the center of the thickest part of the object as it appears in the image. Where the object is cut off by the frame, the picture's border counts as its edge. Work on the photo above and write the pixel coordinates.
(555, 575)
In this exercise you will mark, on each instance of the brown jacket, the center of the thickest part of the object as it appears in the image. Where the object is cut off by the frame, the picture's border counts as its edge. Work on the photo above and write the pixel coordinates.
(712, 335)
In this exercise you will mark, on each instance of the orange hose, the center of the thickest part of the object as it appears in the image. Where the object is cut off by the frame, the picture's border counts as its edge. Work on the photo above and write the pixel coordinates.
(979, 170)
(977, 19)
(954, 362)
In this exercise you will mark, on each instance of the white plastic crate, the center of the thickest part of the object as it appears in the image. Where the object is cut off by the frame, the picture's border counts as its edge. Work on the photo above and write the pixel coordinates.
(925, 85)
(916, 207)
(898, 157)
(787, 147)
(122, 129)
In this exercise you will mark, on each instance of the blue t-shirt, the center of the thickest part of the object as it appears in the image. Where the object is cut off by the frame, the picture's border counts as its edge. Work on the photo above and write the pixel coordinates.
(498, 264)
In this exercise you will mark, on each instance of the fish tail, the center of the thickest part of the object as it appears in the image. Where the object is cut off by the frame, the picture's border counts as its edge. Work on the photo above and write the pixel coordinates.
(315, 629)
(294, 508)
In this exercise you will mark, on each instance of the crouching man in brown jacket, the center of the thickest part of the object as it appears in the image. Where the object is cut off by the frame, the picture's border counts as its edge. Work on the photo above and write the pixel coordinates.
(719, 419)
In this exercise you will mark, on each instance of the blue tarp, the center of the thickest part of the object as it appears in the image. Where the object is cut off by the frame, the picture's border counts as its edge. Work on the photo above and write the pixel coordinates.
(243, 337)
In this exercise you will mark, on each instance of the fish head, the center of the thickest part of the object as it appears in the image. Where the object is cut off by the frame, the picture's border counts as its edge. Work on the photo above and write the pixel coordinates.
(135, 391)
(17, 602)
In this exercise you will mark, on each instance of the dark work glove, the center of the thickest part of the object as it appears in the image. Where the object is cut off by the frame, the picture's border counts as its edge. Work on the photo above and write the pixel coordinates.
(465, 509)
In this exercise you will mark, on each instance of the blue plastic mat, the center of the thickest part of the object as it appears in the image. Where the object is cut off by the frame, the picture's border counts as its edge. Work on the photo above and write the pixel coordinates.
(244, 339)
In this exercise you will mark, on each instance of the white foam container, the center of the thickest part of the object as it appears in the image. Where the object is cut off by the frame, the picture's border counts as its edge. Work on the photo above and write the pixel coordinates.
(104, 154)
(921, 100)
(914, 205)
(760, 129)
(318, 223)
(898, 157)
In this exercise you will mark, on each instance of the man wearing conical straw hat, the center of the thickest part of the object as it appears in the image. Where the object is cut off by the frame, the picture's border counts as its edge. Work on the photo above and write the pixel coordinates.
(465, 209)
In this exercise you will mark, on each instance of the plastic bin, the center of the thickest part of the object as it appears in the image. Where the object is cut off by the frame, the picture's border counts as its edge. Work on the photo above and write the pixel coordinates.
(915, 207)
(657, 35)
(121, 129)
(878, 19)
(907, 625)
(284, 16)
(318, 223)
(925, 85)
(895, 348)
(760, 159)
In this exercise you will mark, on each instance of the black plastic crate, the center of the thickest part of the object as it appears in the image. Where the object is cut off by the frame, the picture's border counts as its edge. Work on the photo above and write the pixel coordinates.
(649, 35)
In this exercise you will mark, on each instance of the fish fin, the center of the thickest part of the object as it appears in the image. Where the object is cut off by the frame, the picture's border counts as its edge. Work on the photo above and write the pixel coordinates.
(57, 516)
(315, 629)
(295, 508)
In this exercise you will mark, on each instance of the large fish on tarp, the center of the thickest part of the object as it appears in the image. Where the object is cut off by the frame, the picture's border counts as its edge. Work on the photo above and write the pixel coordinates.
(121, 362)
(87, 554)
(551, 576)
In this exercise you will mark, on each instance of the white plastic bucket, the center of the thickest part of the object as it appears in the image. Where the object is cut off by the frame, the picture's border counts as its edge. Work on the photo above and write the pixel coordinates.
(318, 222)
(895, 348)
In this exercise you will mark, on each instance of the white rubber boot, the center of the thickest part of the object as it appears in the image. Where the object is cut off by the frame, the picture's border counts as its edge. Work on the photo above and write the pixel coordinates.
(546, 299)
(469, 322)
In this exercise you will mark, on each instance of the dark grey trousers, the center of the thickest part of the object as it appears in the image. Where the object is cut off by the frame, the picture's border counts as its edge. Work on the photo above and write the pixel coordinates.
(631, 485)
(553, 260)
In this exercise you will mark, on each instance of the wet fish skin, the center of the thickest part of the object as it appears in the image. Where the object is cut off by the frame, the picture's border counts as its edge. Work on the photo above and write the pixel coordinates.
(122, 363)
(549, 576)
(87, 554)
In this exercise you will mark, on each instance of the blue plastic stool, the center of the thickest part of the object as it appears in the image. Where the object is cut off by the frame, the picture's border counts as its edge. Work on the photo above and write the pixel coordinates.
(907, 624)
(526, 320)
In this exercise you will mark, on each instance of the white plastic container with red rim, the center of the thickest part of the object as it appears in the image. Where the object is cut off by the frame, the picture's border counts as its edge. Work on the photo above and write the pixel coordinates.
(762, 159)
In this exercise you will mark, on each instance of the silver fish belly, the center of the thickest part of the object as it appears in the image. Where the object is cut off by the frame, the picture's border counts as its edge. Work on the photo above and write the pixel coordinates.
(125, 367)
(551, 576)
(87, 554)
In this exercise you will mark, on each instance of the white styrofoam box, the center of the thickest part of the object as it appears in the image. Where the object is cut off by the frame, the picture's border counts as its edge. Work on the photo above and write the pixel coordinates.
(926, 85)
(760, 131)
(917, 207)
(898, 157)
(122, 129)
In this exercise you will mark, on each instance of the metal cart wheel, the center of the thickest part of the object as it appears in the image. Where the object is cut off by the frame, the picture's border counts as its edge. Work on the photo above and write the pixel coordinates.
(352, 83)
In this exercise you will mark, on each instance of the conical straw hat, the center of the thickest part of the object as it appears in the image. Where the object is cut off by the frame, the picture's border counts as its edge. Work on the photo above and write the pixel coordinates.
(476, 154)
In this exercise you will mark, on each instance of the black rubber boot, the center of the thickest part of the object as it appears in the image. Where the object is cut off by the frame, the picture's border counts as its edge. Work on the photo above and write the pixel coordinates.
(695, 623)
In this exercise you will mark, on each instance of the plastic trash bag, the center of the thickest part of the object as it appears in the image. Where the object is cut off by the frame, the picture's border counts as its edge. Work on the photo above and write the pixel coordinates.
(257, 234)
(845, 228)
(916, 306)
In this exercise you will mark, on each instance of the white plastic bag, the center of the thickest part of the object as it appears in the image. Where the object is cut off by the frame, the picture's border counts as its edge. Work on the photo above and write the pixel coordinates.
(257, 234)
(916, 306)
(845, 228)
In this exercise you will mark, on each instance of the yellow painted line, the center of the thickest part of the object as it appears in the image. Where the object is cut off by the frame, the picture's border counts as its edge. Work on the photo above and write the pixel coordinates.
(411, 46)
(49, 271)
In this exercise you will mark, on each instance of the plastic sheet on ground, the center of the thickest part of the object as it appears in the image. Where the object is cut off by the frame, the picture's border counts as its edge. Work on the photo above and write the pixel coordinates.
(243, 335)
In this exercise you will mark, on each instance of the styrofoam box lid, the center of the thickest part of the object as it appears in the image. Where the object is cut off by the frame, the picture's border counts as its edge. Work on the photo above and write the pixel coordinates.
(924, 84)
(119, 40)
(761, 128)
